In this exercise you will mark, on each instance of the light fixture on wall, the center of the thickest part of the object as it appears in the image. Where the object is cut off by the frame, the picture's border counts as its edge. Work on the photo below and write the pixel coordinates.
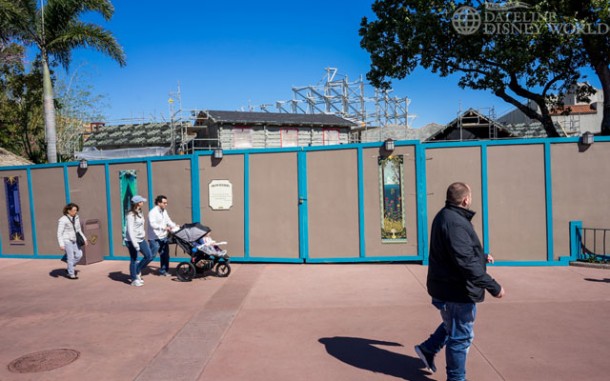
(218, 153)
(388, 145)
(588, 138)
(83, 164)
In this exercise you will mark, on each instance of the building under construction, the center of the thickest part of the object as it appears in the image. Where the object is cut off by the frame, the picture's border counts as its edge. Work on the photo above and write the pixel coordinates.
(335, 94)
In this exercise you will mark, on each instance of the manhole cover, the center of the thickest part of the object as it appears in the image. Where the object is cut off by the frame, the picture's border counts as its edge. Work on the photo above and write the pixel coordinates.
(43, 361)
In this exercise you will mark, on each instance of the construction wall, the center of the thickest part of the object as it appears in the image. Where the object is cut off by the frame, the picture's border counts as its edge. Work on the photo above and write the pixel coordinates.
(323, 204)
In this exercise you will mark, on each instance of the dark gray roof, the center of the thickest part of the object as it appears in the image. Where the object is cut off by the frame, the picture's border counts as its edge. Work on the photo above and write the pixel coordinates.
(131, 135)
(275, 119)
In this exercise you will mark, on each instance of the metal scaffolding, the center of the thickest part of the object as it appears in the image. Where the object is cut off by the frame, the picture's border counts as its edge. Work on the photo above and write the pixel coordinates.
(337, 95)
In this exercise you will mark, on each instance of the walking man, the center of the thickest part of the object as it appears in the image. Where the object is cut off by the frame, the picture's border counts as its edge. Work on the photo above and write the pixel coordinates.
(457, 280)
(159, 224)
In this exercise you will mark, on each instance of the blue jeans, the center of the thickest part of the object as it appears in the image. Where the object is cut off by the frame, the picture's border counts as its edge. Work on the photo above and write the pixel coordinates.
(456, 333)
(74, 255)
(160, 246)
(135, 266)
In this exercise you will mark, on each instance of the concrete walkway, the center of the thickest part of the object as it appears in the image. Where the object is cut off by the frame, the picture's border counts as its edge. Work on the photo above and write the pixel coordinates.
(296, 322)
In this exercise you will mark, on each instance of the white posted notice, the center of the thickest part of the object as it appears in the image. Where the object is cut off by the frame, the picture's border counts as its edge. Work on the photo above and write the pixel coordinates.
(221, 194)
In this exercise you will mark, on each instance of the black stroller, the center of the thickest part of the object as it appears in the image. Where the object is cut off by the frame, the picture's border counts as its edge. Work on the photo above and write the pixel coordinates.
(203, 257)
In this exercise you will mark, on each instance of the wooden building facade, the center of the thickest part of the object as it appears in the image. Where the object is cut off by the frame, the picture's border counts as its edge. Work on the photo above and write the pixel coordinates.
(242, 130)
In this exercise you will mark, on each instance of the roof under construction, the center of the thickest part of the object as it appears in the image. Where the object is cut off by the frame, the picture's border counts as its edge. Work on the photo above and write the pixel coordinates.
(248, 118)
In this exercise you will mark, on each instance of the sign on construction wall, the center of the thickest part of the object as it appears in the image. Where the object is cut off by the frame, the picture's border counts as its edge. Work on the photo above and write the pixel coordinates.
(220, 194)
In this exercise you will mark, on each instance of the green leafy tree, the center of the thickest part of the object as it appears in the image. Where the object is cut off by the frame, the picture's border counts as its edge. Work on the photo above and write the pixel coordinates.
(9, 51)
(21, 114)
(56, 30)
(540, 67)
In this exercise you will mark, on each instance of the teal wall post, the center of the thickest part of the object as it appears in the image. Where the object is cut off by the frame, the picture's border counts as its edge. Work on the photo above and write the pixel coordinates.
(195, 202)
(548, 185)
(109, 211)
(149, 177)
(67, 184)
(575, 239)
(246, 205)
(422, 202)
(484, 198)
(303, 210)
(361, 221)
(32, 211)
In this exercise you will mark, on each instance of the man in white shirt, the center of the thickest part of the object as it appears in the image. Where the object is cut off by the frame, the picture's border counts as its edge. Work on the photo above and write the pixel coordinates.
(159, 224)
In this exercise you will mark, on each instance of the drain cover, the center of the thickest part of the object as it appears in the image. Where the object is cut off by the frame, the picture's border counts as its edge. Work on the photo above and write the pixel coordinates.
(43, 361)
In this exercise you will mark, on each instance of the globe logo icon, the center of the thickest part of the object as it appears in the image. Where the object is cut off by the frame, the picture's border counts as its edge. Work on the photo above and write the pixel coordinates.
(466, 20)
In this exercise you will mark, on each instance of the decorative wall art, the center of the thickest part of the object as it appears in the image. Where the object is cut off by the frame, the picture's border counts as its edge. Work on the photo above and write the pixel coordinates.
(391, 190)
(128, 180)
(13, 210)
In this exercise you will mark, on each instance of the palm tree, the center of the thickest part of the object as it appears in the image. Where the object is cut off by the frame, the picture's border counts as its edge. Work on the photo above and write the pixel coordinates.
(8, 53)
(55, 29)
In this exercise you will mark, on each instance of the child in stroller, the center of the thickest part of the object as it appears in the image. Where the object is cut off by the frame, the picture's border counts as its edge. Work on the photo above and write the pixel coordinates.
(205, 253)
(209, 246)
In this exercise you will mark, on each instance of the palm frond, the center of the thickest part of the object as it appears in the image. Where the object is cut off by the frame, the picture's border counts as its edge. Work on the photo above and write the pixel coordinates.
(59, 12)
(16, 19)
(79, 35)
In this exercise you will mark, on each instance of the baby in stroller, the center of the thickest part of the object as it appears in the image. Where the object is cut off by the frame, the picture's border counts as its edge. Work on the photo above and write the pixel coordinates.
(209, 246)
(205, 253)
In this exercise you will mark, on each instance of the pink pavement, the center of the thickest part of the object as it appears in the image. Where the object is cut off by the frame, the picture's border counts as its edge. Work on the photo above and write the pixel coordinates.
(296, 322)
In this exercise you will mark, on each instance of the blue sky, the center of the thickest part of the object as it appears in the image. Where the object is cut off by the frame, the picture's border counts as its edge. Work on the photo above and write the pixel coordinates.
(235, 54)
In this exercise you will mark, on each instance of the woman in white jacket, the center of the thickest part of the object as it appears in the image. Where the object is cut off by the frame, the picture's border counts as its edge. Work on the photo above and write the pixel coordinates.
(135, 239)
(68, 226)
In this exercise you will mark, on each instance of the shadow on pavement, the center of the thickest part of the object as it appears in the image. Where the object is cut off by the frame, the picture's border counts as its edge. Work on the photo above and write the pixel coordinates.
(119, 276)
(59, 273)
(363, 354)
(605, 280)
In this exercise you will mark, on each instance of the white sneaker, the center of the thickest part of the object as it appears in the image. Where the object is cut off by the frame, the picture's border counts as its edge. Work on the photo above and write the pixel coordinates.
(137, 283)
(139, 277)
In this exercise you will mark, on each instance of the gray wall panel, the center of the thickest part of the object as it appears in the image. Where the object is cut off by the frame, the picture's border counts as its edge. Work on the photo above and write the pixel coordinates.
(332, 192)
(274, 207)
(517, 209)
(227, 225)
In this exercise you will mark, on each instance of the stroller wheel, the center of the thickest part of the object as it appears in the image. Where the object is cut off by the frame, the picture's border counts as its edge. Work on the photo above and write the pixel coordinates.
(185, 271)
(223, 270)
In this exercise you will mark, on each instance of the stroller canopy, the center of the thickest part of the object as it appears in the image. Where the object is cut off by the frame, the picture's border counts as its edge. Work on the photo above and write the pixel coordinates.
(192, 232)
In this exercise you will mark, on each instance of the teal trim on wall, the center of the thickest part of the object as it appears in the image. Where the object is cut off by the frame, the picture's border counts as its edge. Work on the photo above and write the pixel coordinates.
(548, 184)
(29, 256)
(195, 202)
(32, 213)
(484, 198)
(361, 221)
(151, 193)
(575, 240)
(246, 205)
(422, 202)
(530, 263)
(109, 211)
(266, 260)
(67, 184)
(303, 209)
(364, 260)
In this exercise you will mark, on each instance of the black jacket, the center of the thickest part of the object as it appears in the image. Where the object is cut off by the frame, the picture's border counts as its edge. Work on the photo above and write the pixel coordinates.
(457, 270)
